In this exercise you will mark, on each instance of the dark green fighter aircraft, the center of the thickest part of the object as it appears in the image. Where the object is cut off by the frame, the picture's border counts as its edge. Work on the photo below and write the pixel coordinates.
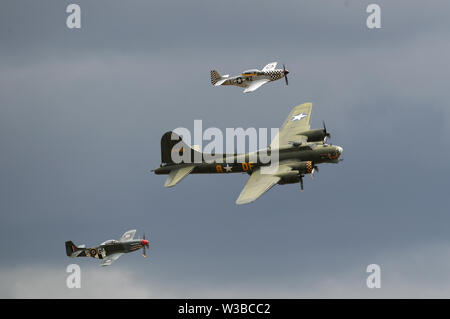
(110, 250)
(299, 148)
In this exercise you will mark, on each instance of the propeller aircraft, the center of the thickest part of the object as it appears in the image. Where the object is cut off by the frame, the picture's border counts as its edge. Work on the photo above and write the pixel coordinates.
(253, 79)
(110, 250)
(300, 151)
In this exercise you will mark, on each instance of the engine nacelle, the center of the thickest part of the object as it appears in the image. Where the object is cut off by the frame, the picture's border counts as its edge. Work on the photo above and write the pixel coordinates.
(317, 135)
(293, 176)
(289, 177)
(303, 167)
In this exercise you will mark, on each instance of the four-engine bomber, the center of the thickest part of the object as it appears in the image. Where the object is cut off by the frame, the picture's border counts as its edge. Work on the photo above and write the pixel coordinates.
(299, 149)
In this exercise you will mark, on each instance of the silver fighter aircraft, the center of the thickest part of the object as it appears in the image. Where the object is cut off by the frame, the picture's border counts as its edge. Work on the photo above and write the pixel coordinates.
(253, 79)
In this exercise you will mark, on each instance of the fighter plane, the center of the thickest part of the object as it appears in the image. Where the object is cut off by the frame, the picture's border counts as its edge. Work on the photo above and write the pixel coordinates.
(251, 79)
(110, 250)
(300, 151)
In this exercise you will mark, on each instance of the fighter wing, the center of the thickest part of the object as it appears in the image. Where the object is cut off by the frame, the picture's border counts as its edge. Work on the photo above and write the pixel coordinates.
(270, 66)
(255, 85)
(296, 123)
(129, 235)
(259, 183)
(110, 259)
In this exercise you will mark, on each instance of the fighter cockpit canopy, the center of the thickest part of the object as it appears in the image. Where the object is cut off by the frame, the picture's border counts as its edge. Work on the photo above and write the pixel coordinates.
(252, 71)
(110, 241)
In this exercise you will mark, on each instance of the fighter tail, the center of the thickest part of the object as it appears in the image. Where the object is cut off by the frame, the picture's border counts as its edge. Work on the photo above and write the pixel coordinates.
(70, 248)
(215, 77)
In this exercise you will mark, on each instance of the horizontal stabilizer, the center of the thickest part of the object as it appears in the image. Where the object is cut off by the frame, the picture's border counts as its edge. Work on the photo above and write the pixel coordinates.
(217, 79)
(78, 252)
(75, 251)
(220, 82)
(176, 175)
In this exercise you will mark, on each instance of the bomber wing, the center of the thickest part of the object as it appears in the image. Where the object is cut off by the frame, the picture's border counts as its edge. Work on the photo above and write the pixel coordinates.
(110, 259)
(259, 183)
(296, 123)
(255, 85)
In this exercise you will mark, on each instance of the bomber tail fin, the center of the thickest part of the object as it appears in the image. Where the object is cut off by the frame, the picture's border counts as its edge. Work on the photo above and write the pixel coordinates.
(173, 147)
(175, 151)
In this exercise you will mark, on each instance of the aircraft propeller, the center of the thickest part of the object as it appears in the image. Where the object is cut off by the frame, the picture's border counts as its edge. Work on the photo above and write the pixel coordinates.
(327, 135)
(315, 169)
(144, 243)
(285, 72)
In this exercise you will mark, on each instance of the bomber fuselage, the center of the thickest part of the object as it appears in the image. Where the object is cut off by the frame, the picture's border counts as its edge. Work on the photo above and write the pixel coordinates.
(239, 163)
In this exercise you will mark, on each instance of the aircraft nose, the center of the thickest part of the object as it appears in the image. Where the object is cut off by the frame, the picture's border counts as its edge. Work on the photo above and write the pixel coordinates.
(340, 150)
(144, 242)
(286, 72)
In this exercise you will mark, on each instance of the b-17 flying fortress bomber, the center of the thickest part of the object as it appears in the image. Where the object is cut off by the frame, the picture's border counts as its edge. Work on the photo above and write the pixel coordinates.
(110, 250)
(300, 150)
(253, 79)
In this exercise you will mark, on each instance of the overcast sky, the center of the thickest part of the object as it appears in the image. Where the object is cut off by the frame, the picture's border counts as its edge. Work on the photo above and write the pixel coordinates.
(82, 113)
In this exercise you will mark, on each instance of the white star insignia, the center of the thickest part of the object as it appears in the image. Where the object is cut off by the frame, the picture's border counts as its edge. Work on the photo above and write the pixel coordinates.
(228, 168)
(298, 117)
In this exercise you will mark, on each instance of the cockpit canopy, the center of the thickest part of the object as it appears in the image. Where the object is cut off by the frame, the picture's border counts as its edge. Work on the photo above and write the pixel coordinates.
(253, 71)
(109, 241)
